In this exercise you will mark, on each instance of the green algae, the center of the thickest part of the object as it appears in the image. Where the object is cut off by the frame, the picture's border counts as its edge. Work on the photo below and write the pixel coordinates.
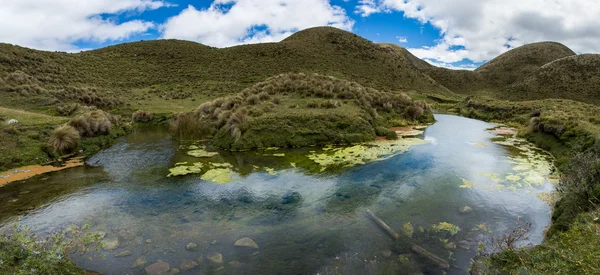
(493, 177)
(219, 175)
(466, 184)
(201, 153)
(183, 170)
(362, 153)
(445, 226)
(408, 229)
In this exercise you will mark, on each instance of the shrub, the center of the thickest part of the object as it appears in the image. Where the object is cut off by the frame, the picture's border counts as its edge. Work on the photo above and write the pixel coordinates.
(67, 109)
(381, 131)
(330, 104)
(580, 189)
(142, 116)
(391, 135)
(413, 112)
(313, 104)
(235, 122)
(253, 100)
(264, 96)
(92, 124)
(191, 125)
(64, 139)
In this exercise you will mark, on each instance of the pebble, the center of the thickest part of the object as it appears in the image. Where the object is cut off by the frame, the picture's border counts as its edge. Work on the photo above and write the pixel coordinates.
(123, 254)
(175, 271)
(216, 258)
(246, 242)
(465, 210)
(149, 241)
(187, 265)
(386, 253)
(450, 246)
(464, 245)
(191, 246)
(158, 268)
(140, 261)
(111, 244)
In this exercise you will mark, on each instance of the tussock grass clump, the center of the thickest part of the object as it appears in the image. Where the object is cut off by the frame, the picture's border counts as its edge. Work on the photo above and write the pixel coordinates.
(141, 116)
(92, 124)
(64, 139)
(67, 109)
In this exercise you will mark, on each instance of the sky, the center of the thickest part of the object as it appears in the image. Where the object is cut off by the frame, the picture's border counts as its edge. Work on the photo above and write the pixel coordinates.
(456, 34)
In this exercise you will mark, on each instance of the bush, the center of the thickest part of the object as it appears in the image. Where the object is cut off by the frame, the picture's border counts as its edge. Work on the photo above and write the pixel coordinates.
(579, 188)
(64, 139)
(330, 104)
(391, 135)
(67, 109)
(253, 100)
(413, 112)
(264, 96)
(313, 104)
(23, 252)
(187, 126)
(381, 131)
(92, 124)
(142, 116)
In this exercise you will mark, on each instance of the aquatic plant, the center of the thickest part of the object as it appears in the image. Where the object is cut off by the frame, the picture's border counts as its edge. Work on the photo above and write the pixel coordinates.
(445, 226)
(23, 252)
(219, 175)
(64, 139)
(182, 169)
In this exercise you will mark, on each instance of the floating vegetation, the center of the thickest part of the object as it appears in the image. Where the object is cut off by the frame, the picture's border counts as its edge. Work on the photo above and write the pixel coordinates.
(201, 153)
(271, 171)
(408, 229)
(362, 153)
(493, 177)
(181, 169)
(549, 198)
(221, 165)
(279, 155)
(445, 226)
(219, 175)
(481, 227)
(466, 183)
(513, 177)
(271, 148)
(505, 131)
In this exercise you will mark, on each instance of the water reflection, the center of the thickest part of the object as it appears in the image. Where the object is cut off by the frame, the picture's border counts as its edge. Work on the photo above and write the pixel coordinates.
(304, 221)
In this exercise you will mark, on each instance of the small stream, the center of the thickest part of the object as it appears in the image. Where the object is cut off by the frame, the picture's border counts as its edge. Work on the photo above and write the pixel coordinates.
(463, 185)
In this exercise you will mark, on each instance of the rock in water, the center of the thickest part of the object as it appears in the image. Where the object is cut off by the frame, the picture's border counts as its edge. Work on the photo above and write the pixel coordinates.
(158, 268)
(174, 271)
(464, 245)
(111, 244)
(216, 258)
(450, 246)
(236, 264)
(139, 262)
(246, 242)
(188, 264)
(465, 210)
(191, 246)
(386, 253)
(123, 254)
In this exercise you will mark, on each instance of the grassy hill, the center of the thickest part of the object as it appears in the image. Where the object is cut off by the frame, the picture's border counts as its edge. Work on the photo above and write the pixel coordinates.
(575, 77)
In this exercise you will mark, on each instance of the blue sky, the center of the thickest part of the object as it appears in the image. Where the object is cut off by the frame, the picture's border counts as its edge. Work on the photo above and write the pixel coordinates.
(458, 34)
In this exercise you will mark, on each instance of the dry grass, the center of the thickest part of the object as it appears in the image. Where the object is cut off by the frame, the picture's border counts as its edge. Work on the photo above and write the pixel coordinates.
(92, 124)
(64, 139)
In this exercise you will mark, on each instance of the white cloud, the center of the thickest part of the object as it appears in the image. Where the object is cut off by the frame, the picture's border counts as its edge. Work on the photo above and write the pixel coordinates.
(479, 30)
(232, 22)
(57, 25)
(402, 39)
(367, 7)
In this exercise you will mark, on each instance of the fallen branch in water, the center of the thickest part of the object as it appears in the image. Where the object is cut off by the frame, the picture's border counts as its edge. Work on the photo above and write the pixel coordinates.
(415, 248)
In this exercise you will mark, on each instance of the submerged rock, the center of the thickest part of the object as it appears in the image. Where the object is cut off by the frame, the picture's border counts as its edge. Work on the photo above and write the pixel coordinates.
(246, 242)
(111, 244)
(191, 246)
(123, 254)
(174, 271)
(187, 265)
(464, 245)
(236, 264)
(215, 258)
(140, 261)
(386, 253)
(158, 268)
(465, 210)
(450, 246)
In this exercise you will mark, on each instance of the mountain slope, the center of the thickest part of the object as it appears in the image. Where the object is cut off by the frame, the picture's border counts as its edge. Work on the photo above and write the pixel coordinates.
(575, 77)
(520, 62)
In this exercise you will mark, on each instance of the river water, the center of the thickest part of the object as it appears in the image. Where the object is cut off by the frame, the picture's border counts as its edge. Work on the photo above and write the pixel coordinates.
(305, 220)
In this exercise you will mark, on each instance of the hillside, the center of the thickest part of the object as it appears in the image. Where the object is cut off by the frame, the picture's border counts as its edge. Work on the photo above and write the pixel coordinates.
(180, 69)
(574, 77)
(516, 64)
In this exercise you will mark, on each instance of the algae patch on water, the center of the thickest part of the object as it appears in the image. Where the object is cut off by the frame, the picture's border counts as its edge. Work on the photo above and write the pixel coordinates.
(219, 175)
(445, 226)
(362, 153)
(182, 169)
(201, 153)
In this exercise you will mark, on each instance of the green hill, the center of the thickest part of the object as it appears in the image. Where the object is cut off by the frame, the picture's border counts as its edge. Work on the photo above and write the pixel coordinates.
(574, 77)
